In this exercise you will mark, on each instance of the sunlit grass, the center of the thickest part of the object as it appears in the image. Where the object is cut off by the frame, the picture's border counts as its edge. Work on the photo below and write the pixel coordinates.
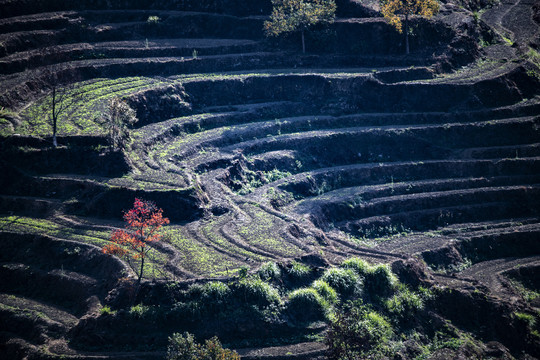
(88, 101)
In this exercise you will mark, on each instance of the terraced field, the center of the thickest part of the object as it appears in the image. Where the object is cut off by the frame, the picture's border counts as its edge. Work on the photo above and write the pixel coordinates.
(260, 154)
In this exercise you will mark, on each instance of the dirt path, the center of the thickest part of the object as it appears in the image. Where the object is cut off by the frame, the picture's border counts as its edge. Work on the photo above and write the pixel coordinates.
(489, 274)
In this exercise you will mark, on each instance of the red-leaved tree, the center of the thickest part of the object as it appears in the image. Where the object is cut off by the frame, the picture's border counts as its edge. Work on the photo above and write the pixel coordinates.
(143, 223)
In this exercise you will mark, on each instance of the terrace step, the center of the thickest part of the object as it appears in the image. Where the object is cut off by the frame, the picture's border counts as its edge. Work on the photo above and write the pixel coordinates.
(235, 115)
(212, 118)
(49, 254)
(425, 200)
(433, 218)
(477, 246)
(323, 180)
(61, 317)
(490, 274)
(40, 21)
(344, 200)
(27, 40)
(240, 8)
(22, 61)
(491, 152)
(66, 288)
(29, 204)
(450, 234)
(363, 142)
(32, 321)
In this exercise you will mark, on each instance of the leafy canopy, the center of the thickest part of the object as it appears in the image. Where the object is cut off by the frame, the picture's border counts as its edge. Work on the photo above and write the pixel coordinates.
(391, 9)
(185, 347)
(298, 15)
(143, 223)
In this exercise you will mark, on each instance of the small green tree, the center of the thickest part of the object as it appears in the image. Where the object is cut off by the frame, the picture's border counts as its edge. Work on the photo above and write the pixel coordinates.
(359, 333)
(117, 120)
(298, 16)
(185, 347)
(393, 9)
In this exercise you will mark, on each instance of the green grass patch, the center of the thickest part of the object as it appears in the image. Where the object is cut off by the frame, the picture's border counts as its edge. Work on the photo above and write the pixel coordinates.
(87, 102)
(39, 226)
(199, 258)
(261, 232)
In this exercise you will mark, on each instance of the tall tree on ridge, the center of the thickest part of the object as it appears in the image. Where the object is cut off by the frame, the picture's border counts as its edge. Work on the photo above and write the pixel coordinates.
(298, 16)
(392, 9)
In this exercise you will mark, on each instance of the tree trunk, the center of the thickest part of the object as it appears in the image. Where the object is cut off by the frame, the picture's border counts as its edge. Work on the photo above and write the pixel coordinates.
(407, 34)
(303, 43)
(141, 272)
(54, 117)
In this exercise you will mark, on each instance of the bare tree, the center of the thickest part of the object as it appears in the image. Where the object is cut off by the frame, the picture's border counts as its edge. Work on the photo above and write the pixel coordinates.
(61, 99)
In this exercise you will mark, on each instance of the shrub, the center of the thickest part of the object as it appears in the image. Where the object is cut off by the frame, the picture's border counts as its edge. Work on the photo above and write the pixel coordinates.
(360, 266)
(213, 350)
(325, 291)
(216, 291)
(141, 312)
(186, 311)
(345, 281)
(215, 295)
(269, 271)
(380, 280)
(195, 291)
(299, 271)
(106, 310)
(359, 333)
(243, 272)
(306, 304)
(527, 319)
(404, 305)
(257, 292)
(184, 347)
(208, 298)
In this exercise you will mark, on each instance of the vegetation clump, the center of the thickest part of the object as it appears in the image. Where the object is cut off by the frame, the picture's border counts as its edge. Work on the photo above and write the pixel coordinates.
(269, 271)
(345, 281)
(256, 291)
(117, 120)
(378, 279)
(404, 305)
(325, 291)
(307, 304)
(393, 9)
(299, 272)
(359, 333)
(290, 16)
(185, 347)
